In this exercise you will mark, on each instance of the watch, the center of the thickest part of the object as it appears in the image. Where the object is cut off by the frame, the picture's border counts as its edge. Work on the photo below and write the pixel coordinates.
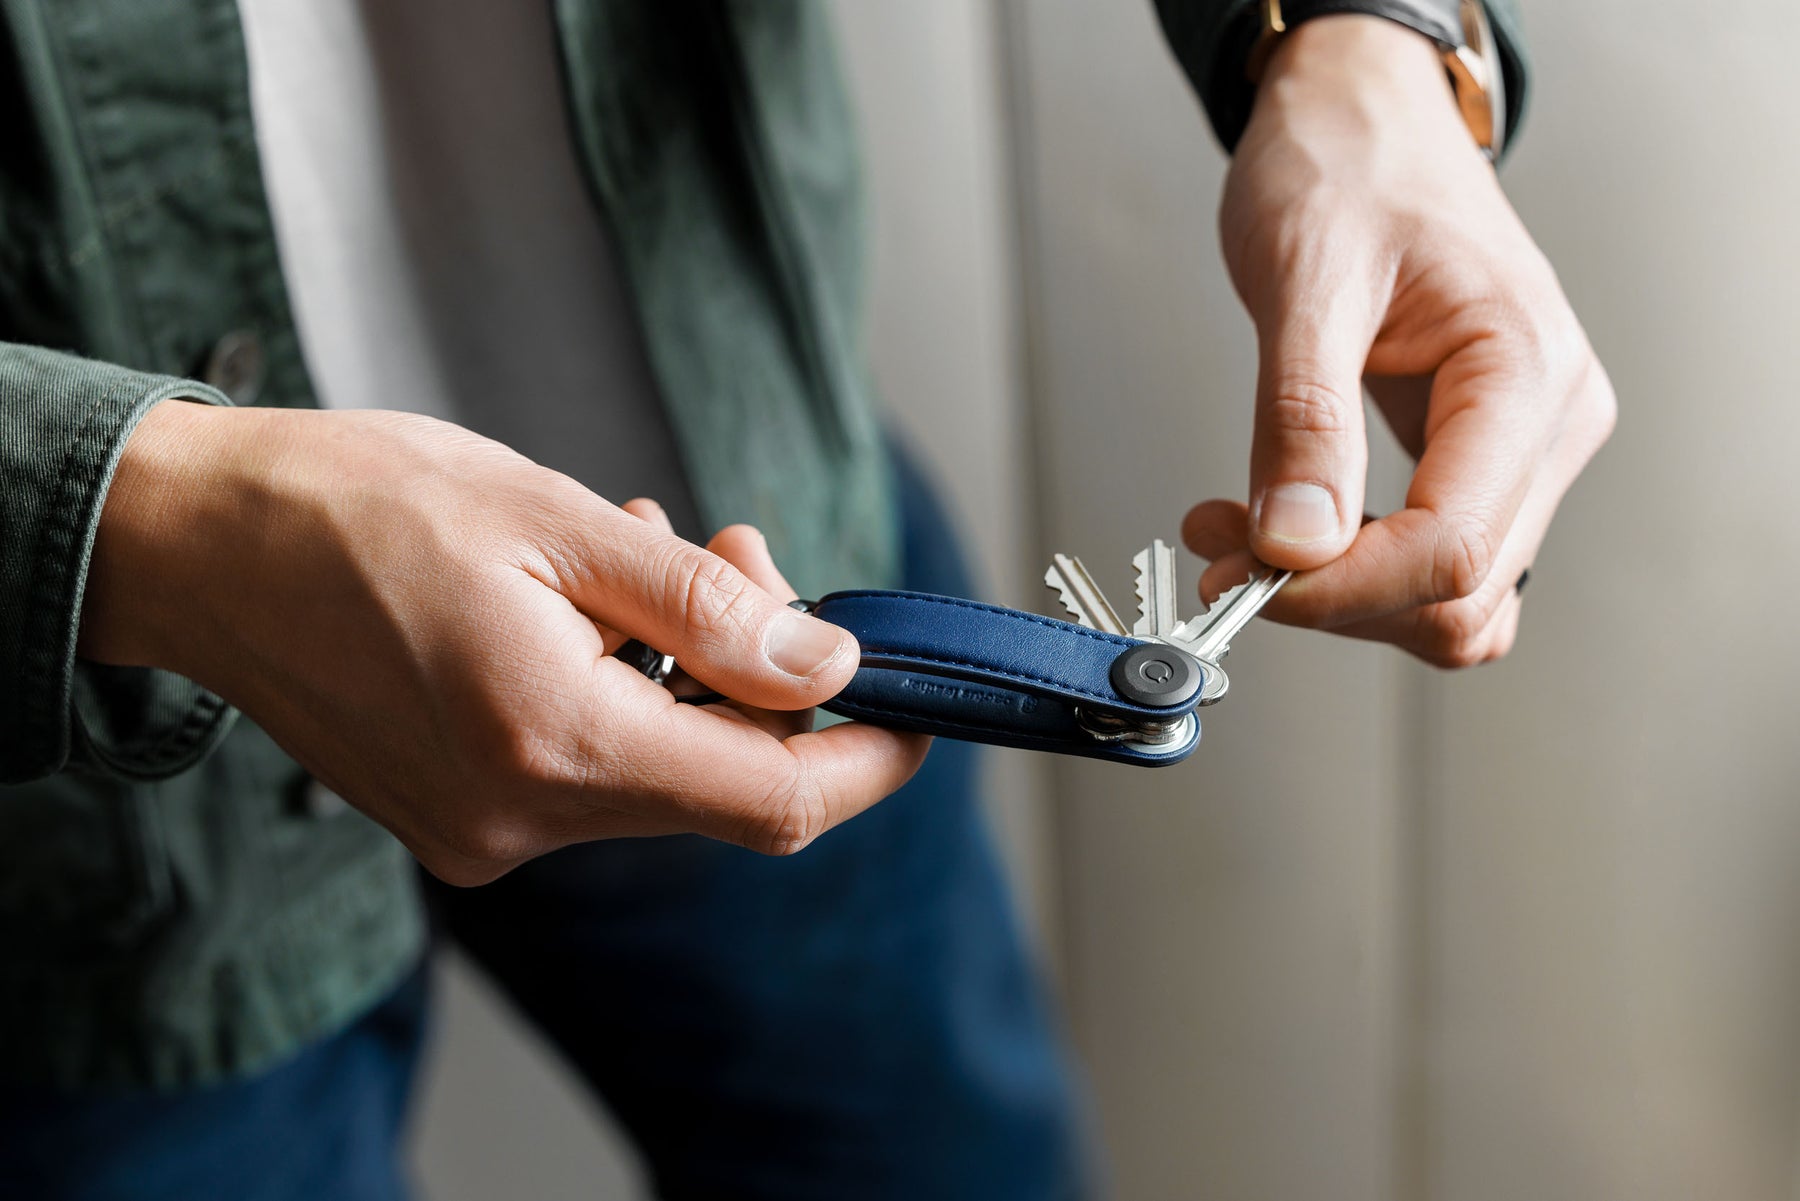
(1459, 27)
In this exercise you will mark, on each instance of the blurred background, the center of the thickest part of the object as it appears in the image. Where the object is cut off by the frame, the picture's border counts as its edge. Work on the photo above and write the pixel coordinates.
(1531, 931)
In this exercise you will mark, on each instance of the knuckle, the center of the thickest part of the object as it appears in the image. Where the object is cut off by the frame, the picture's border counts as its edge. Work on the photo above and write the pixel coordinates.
(789, 817)
(517, 753)
(1309, 610)
(487, 842)
(1598, 406)
(708, 592)
(1520, 329)
(1606, 416)
(462, 873)
(1534, 326)
(1464, 559)
(1452, 636)
(1458, 657)
(1304, 406)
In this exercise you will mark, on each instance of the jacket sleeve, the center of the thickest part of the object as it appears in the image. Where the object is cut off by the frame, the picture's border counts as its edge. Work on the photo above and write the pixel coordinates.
(63, 423)
(1212, 40)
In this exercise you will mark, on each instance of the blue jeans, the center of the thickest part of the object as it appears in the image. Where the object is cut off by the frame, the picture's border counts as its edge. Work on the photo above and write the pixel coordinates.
(857, 1021)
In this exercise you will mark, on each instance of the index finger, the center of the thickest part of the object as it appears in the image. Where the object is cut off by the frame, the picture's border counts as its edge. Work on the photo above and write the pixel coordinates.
(733, 781)
(1480, 459)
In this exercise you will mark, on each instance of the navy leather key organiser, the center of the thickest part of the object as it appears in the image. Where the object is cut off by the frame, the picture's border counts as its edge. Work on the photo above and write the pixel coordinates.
(961, 669)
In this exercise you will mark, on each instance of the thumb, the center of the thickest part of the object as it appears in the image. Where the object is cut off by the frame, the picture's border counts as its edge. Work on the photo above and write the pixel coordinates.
(725, 631)
(1309, 458)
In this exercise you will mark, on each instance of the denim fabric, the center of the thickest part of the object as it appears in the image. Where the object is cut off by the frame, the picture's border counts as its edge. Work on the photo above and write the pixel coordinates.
(323, 1124)
(860, 1020)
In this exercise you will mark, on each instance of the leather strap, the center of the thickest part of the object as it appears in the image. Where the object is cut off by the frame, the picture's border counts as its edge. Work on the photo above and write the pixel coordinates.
(983, 673)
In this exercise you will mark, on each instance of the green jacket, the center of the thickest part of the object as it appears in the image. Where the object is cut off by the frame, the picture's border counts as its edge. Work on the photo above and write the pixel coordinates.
(172, 908)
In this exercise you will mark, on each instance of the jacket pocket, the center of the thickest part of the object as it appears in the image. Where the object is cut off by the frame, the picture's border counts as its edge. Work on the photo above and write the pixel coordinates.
(84, 869)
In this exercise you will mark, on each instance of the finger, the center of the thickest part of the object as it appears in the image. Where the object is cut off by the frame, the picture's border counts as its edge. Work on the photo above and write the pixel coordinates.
(648, 510)
(727, 632)
(745, 548)
(1467, 630)
(1309, 456)
(1465, 497)
(645, 509)
(1441, 639)
(1224, 574)
(776, 723)
(1503, 631)
(820, 780)
(735, 783)
(1216, 528)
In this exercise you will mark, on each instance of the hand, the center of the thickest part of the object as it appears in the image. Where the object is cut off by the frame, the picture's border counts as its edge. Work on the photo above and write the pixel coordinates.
(1371, 241)
(424, 620)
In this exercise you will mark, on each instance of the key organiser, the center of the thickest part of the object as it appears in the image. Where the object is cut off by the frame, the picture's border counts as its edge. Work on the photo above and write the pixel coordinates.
(962, 669)
(982, 673)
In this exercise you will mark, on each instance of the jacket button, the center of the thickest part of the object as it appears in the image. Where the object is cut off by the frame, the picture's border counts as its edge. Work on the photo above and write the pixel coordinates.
(237, 366)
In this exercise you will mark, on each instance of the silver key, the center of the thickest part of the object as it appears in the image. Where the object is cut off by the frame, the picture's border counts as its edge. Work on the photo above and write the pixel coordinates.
(1155, 591)
(1082, 597)
(1208, 637)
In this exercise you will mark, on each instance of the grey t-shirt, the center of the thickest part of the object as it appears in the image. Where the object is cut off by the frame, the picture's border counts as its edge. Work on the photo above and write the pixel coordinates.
(442, 252)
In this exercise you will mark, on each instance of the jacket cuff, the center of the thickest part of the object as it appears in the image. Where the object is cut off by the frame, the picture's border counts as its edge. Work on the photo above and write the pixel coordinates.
(1212, 40)
(64, 421)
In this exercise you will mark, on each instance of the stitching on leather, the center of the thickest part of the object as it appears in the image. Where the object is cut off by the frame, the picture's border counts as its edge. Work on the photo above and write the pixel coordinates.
(1014, 615)
(1067, 627)
(1060, 686)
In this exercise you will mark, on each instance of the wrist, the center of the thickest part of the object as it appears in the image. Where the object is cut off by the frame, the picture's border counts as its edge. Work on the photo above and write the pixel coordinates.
(140, 587)
(1359, 76)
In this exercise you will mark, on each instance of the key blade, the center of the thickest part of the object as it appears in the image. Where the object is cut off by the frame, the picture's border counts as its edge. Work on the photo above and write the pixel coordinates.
(1155, 590)
(1081, 596)
(1057, 581)
(1209, 636)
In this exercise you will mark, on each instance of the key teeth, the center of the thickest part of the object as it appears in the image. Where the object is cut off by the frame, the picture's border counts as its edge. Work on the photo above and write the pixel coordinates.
(1057, 583)
(1155, 586)
(1141, 562)
(1067, 600)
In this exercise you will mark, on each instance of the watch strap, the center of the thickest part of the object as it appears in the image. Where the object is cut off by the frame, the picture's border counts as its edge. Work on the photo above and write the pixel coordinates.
(1439, 20)
(1459, 28)
(1215, 42)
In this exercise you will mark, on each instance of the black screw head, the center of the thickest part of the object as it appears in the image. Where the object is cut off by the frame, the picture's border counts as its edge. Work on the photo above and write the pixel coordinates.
(1156, 675)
